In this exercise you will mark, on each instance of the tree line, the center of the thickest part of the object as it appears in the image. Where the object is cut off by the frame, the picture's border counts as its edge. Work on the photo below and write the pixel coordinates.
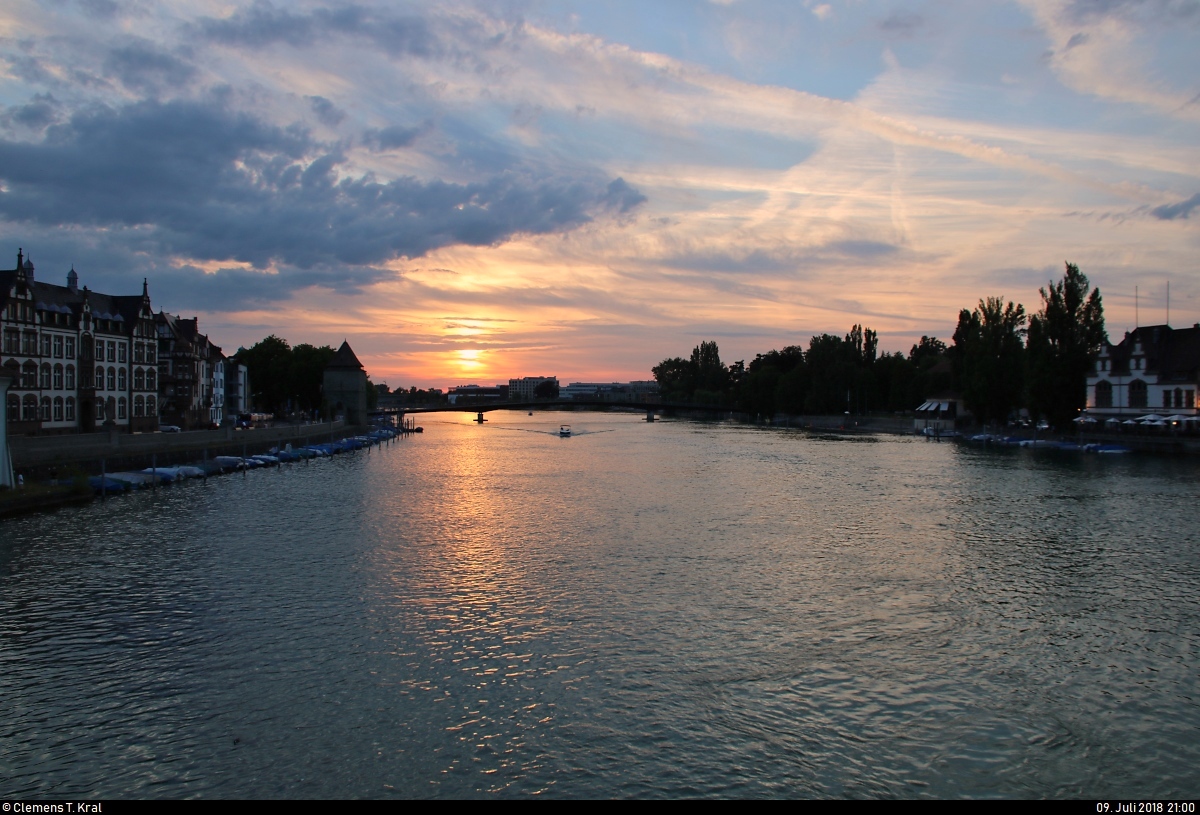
(1000, 360)
(286, 379)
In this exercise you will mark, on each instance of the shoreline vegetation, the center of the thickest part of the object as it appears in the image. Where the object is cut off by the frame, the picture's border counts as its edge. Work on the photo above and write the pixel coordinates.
(1000, 360)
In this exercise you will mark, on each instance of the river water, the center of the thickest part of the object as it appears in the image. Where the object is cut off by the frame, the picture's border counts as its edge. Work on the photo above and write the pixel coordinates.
(669, 609)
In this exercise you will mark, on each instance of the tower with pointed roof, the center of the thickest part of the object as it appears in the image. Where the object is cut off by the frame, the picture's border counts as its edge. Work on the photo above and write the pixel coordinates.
(346, 386)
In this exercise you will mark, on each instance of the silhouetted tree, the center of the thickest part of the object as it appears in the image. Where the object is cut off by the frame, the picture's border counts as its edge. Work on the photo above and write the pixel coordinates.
(711, 375)
(990, 352)
(676, 379)
(269, 364)
(1064, 338)
(546, 390)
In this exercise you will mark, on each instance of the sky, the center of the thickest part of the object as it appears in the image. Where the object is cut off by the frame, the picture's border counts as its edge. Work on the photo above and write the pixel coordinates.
(473, 191)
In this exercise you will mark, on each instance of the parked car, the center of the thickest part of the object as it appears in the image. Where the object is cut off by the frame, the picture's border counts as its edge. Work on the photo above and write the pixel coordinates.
(168, 428)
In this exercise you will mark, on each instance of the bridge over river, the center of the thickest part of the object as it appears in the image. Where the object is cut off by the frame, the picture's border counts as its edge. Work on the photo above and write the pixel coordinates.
(651, 408)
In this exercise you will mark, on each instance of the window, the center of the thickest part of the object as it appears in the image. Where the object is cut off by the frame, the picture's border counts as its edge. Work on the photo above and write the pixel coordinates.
(100, 349)
(45, 345)
(1189, 399)
(99, 377)
(70, 408)
(99, 410)
(58, 347)
(139, 379)
(12, 341)
(121, 408)
(112, 379)
(139, 352)
(58, 408)
(70, 377)
(150, 379)
(1137, 394)
(58, 377)
(112, 351)
(70, 348)
(149, 353)
(1179, 397)
(121, 352)
(44, 415)
(151, 406)
(29, 343)
(45, 376)
(1104, 392)
(29, 375)
(29, 408)
(139, 406)
(121, 380)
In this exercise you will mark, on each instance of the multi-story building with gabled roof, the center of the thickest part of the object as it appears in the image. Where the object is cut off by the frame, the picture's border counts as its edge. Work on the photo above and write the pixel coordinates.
(78, 357)
(1154, 368)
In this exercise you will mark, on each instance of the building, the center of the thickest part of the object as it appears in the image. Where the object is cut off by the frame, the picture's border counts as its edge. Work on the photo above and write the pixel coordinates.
(237, 388)
(637, 391)
(80, 359)
(1153, 368)
(6, 470)
(187, 362)
(345, 386)
(522, 390)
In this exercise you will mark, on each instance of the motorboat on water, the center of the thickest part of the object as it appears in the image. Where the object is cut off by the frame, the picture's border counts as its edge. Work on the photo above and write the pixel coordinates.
(564, 430)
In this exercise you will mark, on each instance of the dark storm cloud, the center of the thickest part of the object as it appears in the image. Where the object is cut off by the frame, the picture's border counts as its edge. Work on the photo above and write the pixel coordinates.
(141, 67)
(37, 114)
(263, 25)
(394, 137)
(197, 180)
(329, 113)
(239, 289)
(1169, 212)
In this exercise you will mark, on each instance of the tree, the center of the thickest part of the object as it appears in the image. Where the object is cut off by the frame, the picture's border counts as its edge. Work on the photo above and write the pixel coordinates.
(675, 378)
(546, 390)
(269, 366)
(308, 375)
(712, 377)
(990, 354)
(1064, 338)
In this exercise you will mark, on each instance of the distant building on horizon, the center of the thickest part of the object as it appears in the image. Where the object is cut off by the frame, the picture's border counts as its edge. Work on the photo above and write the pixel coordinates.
(522, 390)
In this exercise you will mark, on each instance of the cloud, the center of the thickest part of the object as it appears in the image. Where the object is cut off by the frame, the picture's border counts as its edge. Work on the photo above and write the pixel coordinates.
(263, 25)
(36, 115)
(140, 66)
(621, 197)
(394, 137)
(1164, 11)
(901, 23)
(329, 113)
(1169, 212)
(198, 181)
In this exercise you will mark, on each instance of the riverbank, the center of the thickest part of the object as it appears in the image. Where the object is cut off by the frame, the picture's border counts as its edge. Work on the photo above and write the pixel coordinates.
(39, 457)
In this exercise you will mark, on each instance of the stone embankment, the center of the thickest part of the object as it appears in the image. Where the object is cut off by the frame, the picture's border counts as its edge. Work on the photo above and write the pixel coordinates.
(37, 456)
